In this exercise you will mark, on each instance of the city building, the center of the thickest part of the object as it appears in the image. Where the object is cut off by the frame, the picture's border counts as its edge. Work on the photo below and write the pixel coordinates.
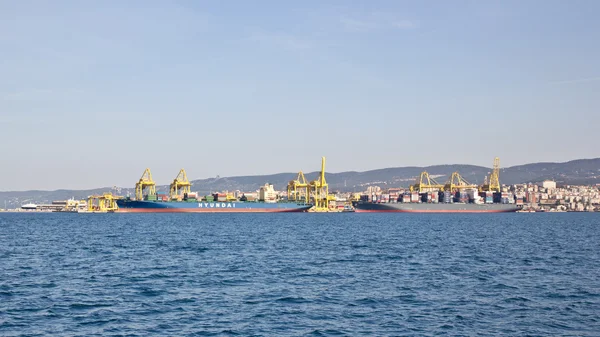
(549, 184)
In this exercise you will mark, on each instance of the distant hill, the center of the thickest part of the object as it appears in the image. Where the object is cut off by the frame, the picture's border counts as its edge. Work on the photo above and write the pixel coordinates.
(576, 172)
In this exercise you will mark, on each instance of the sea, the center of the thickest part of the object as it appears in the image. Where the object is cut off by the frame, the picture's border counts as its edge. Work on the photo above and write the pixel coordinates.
(304, 274)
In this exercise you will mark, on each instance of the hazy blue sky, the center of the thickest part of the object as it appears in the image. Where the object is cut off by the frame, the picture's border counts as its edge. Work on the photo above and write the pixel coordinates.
(93, 92)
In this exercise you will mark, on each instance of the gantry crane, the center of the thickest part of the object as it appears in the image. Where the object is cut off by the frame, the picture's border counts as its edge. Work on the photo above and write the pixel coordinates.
(180, 184)
(493, 183)
(145, 182)
(426, 184)
(457, 182)
(102, 203)
(320, 190)
(298, 189)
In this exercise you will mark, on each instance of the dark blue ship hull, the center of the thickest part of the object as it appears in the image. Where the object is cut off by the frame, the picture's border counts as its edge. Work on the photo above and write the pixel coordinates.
(135, 206)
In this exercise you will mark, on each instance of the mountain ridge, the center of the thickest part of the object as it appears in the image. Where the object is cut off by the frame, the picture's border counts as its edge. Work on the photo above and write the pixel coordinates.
(574, 172)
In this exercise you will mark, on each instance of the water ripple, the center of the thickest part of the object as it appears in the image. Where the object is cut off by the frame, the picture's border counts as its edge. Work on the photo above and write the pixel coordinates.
(299, 275)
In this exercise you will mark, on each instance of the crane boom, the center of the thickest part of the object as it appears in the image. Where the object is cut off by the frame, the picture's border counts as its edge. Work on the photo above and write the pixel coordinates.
(457, 182)
(425, 183)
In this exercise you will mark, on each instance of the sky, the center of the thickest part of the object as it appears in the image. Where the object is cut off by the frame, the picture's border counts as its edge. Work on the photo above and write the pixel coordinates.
(93, 92)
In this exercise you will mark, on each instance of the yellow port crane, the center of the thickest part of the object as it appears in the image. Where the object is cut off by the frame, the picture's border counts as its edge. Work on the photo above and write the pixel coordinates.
(320, 190)
(145, 182)
(180, 184)
(298, 189)
(425, 184)
(493, 183)
(457, 182)
(102, 203)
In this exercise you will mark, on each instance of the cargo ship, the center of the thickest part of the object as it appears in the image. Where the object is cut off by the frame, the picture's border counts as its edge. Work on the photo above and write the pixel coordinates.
(466, 201)
(190, 202)
(366, 206)
(463, 201)
(159, 206)
(455, 196)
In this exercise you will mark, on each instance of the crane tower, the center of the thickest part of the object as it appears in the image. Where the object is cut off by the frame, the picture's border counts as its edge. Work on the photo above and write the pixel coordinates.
(320, 189)
(495, 176)
(102, 203)
(457, 182)
(493, 183)
(180, 184)
(425, 184)
(298, 188)
(145, 182)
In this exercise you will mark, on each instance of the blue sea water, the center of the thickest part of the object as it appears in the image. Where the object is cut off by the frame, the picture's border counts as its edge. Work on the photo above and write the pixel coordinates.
(299, 274)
